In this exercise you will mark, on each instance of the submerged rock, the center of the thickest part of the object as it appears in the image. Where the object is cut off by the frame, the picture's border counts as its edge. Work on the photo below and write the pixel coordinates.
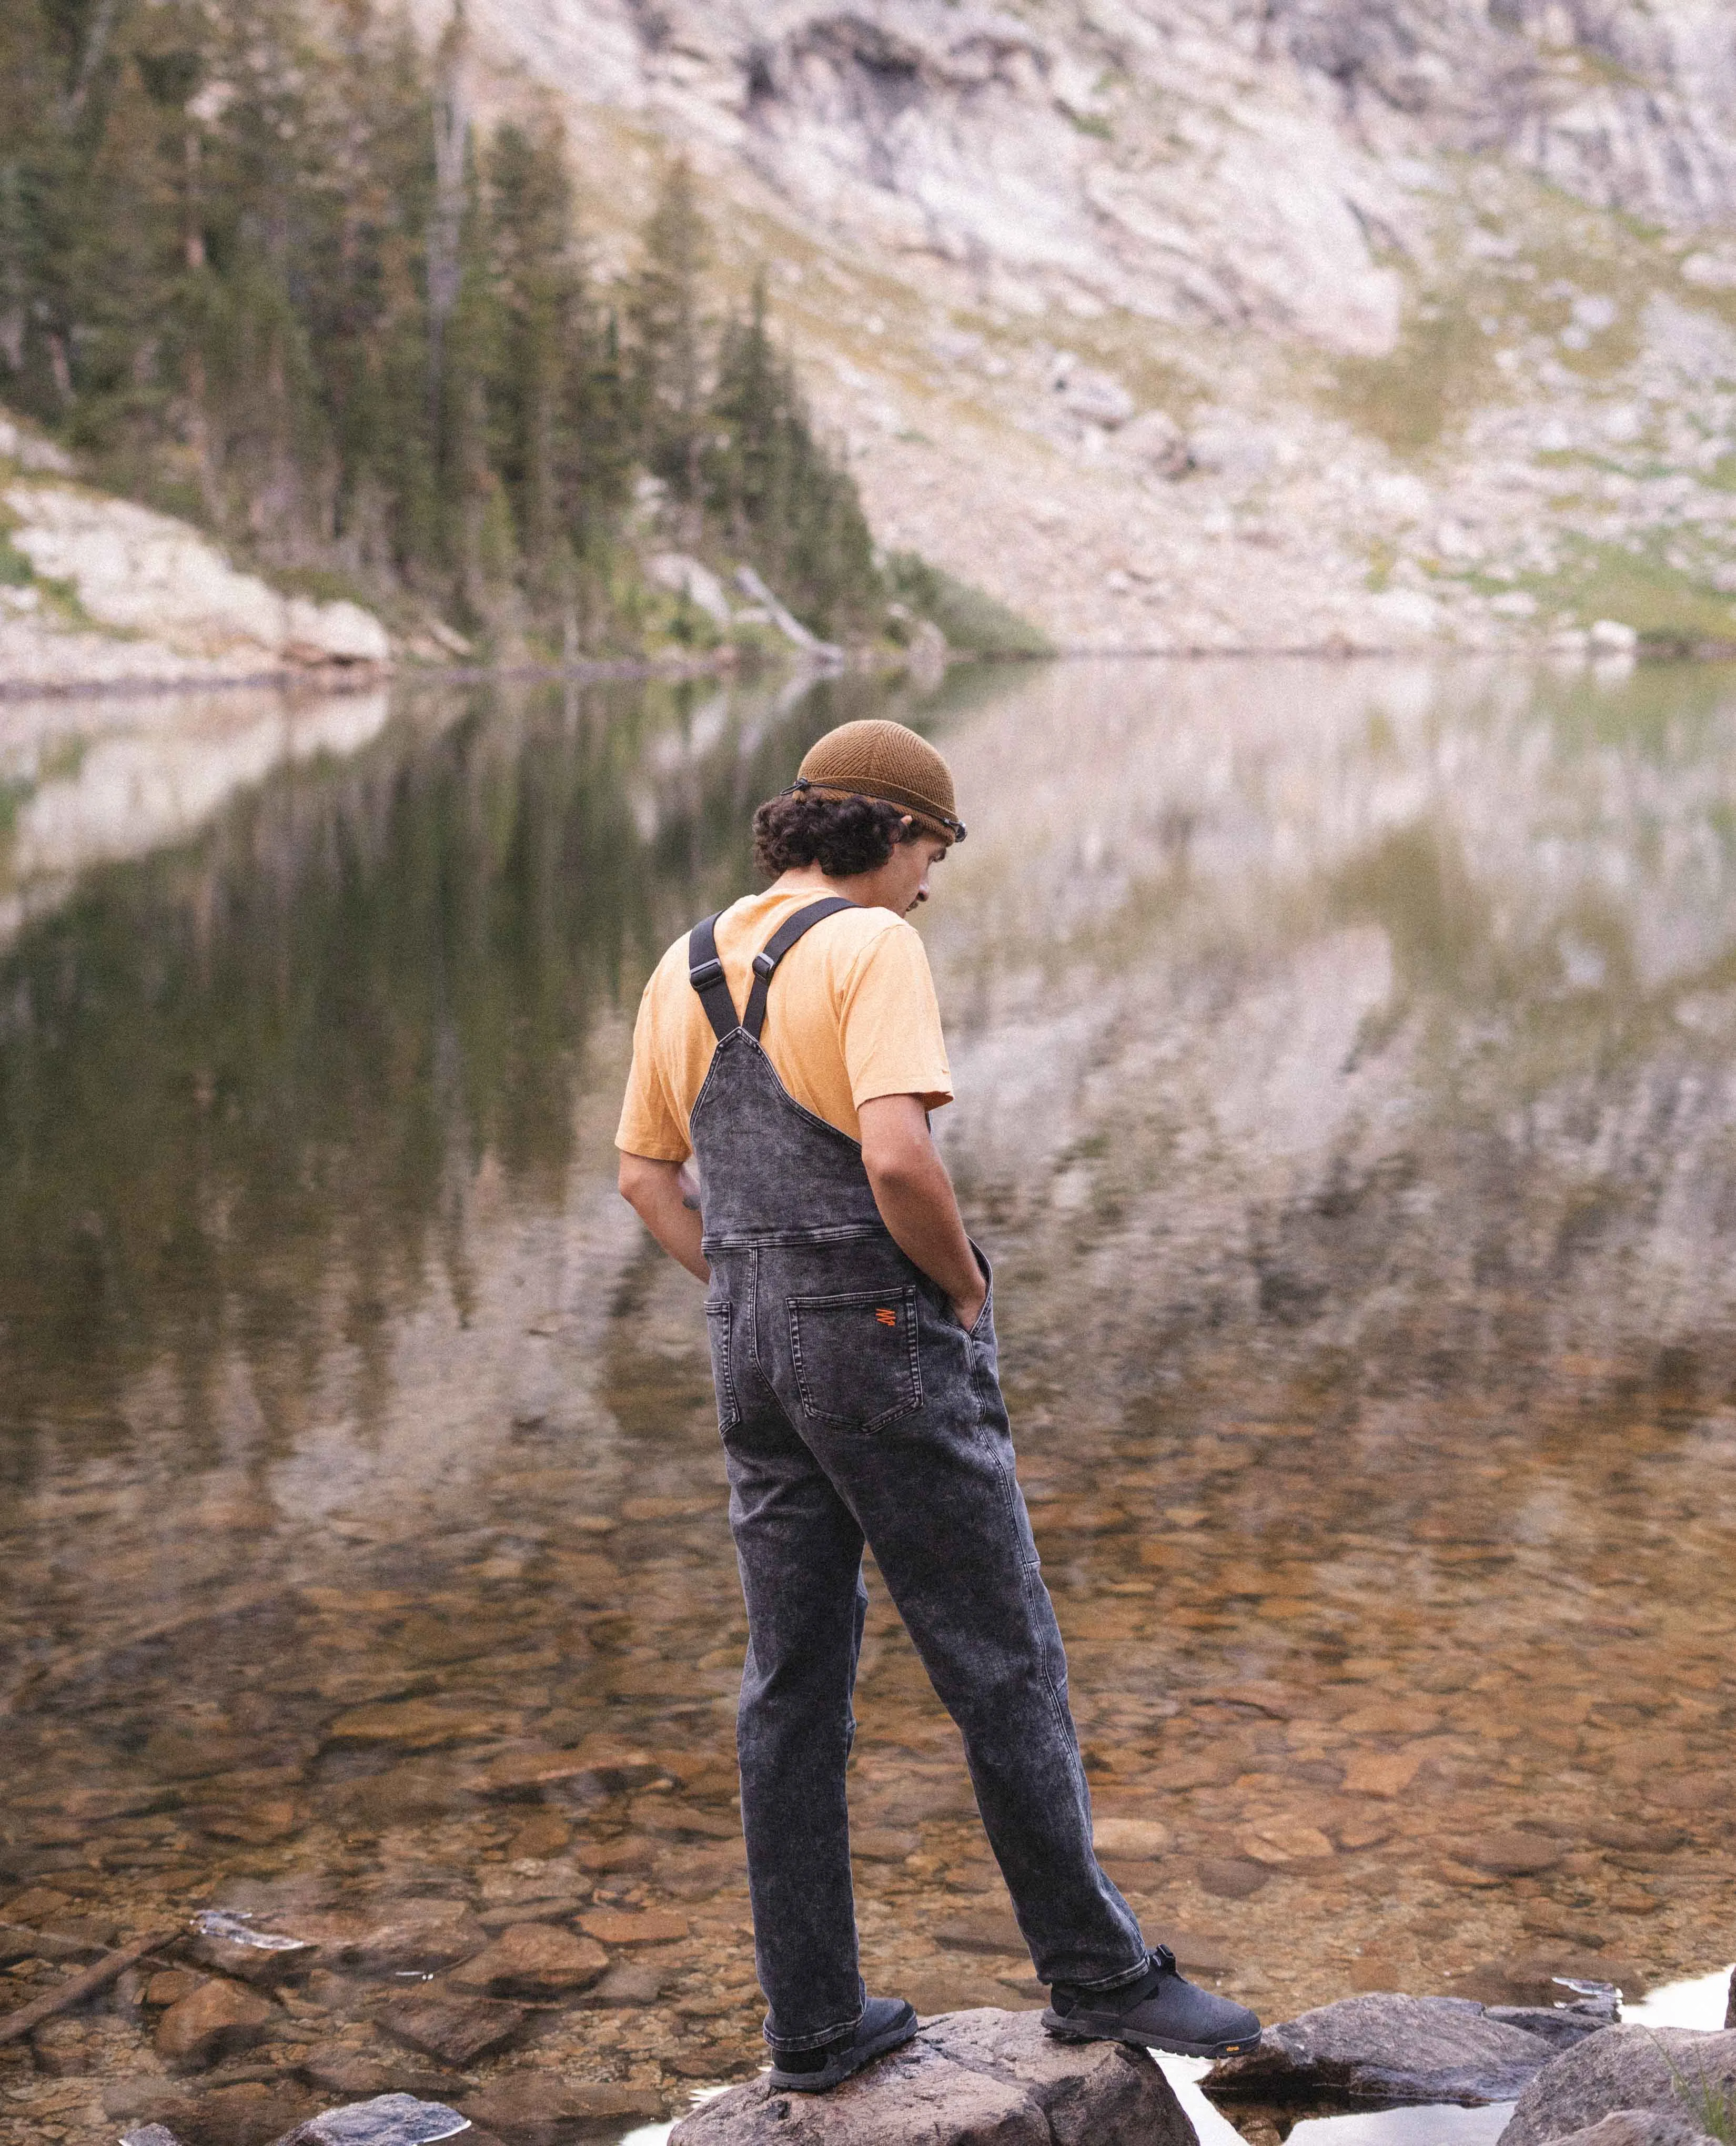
(217, 2018)
(457, 2030)
(389, 2119)
(534, 1959)
(1389, 2049)
(1668, 2069)
(527, 2106)
(232, 1943)
(969, 2079)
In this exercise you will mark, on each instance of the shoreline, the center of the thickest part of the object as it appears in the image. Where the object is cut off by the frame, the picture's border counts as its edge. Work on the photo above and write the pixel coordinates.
(602, 670)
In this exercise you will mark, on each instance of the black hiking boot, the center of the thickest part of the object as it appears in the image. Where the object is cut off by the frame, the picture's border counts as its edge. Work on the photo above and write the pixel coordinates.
(1164, 2011)
(886, 2024)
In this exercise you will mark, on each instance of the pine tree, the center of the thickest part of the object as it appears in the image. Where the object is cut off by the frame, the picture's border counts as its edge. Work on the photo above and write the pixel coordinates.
(778, 493)
(665, 315)
(259, 264)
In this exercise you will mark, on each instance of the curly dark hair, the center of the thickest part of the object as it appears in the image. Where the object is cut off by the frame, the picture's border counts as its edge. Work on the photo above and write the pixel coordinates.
(843, 836)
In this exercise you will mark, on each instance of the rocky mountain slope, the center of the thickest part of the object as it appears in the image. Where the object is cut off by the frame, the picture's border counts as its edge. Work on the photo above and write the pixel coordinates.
(1192, 323)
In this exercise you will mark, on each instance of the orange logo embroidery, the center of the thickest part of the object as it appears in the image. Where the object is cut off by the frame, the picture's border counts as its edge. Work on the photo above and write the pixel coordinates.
(886, 1317)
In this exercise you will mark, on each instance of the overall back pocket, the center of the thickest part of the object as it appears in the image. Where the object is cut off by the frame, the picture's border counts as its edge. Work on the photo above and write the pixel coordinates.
(718, 1323)
(856, 1362)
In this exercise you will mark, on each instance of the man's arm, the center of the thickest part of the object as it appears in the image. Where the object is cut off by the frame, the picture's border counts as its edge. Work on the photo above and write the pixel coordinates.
(915, 1197)
(652, 1189)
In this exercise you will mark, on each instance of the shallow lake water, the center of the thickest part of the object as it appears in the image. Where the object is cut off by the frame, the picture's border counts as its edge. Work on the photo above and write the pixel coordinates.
(1346, 1098)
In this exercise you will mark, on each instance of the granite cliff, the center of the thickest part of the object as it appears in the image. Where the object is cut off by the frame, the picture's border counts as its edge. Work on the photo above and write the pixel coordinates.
(1189, 324)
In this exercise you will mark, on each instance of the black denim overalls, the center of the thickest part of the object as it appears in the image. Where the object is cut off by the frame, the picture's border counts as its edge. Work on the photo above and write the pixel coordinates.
(853, 1405)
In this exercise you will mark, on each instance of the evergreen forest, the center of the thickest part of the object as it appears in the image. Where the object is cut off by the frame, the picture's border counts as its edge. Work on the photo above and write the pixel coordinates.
(261, 266)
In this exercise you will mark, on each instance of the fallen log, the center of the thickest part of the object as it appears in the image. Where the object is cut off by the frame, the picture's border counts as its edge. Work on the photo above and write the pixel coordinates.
(29, 2017)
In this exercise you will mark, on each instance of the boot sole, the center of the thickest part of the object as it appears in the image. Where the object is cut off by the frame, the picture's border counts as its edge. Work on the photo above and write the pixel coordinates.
(1086, 2029)
(847, 2065)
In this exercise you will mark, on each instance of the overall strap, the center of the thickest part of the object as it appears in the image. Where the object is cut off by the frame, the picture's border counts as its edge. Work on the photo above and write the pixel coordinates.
(773, 951)
(705, 972)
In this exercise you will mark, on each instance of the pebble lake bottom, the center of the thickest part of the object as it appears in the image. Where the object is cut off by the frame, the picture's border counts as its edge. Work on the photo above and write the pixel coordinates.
(1343, 1058)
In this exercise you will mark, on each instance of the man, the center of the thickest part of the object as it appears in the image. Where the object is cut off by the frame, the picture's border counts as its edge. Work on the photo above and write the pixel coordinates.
(792, 1045)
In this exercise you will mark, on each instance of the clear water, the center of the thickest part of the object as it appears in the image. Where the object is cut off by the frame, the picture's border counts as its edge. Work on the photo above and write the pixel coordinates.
(1344, 1061)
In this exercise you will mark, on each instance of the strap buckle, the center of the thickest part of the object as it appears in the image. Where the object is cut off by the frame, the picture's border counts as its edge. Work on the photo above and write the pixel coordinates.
(763, 963)
(705, 975)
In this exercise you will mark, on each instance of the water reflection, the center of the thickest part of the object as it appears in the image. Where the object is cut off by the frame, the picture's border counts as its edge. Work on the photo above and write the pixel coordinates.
(1343, 1052)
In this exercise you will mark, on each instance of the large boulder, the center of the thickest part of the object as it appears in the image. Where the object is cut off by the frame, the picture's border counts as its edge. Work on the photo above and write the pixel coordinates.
(969, 2079)
(1669, 2068)
(1393, 2048)
(1640, 2126)
(135, 570)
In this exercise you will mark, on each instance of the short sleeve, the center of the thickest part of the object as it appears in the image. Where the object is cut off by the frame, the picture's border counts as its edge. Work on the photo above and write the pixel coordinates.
(890, 1021)
(650, 1125)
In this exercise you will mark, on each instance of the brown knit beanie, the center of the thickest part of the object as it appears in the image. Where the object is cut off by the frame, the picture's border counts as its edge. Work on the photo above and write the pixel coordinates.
(875, 758)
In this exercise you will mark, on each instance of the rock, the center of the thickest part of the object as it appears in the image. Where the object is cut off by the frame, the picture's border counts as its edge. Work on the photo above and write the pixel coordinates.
(686, 577)
(1155, 441)
(1561, 2025)
(1286, 1844)
(989, 2078)
(1626, 2068)
(232, 1945)
(414, 1725)
(418, 1937)
(526, 2107)
(991, 1929)
(1640, 2126)
(389, 2119)
(136, 571)
(1095, 396)
(218, 2017)
(1130, 1836)
(37, 1904)
(633, 1983)
(1386, 2048)
(150, 2134)
(63, 2049)
(1381, 1772)
(358, 2076)
(458, 2030)
(1229, 1878)
(147, 2098)
(170, 1986)
(1512, 1854)
(252, 2112)
(612, 1926)
(19, 445)
(1610, 637)
(535, 1960)
(664, 1814)
(1545, 1978)
(883, 1844)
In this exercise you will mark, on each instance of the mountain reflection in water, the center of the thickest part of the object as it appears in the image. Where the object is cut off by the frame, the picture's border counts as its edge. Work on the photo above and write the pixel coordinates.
(1343, 1055)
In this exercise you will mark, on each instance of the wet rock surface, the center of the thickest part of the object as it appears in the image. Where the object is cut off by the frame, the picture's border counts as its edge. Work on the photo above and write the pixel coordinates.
(969, 2079)
(1640, 2126)
(1385, 2048)
(1667, 2069)
(216, 2018)
(526, 2108)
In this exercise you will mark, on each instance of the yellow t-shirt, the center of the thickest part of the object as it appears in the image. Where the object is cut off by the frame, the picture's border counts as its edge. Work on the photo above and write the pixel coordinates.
(852, 1014)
